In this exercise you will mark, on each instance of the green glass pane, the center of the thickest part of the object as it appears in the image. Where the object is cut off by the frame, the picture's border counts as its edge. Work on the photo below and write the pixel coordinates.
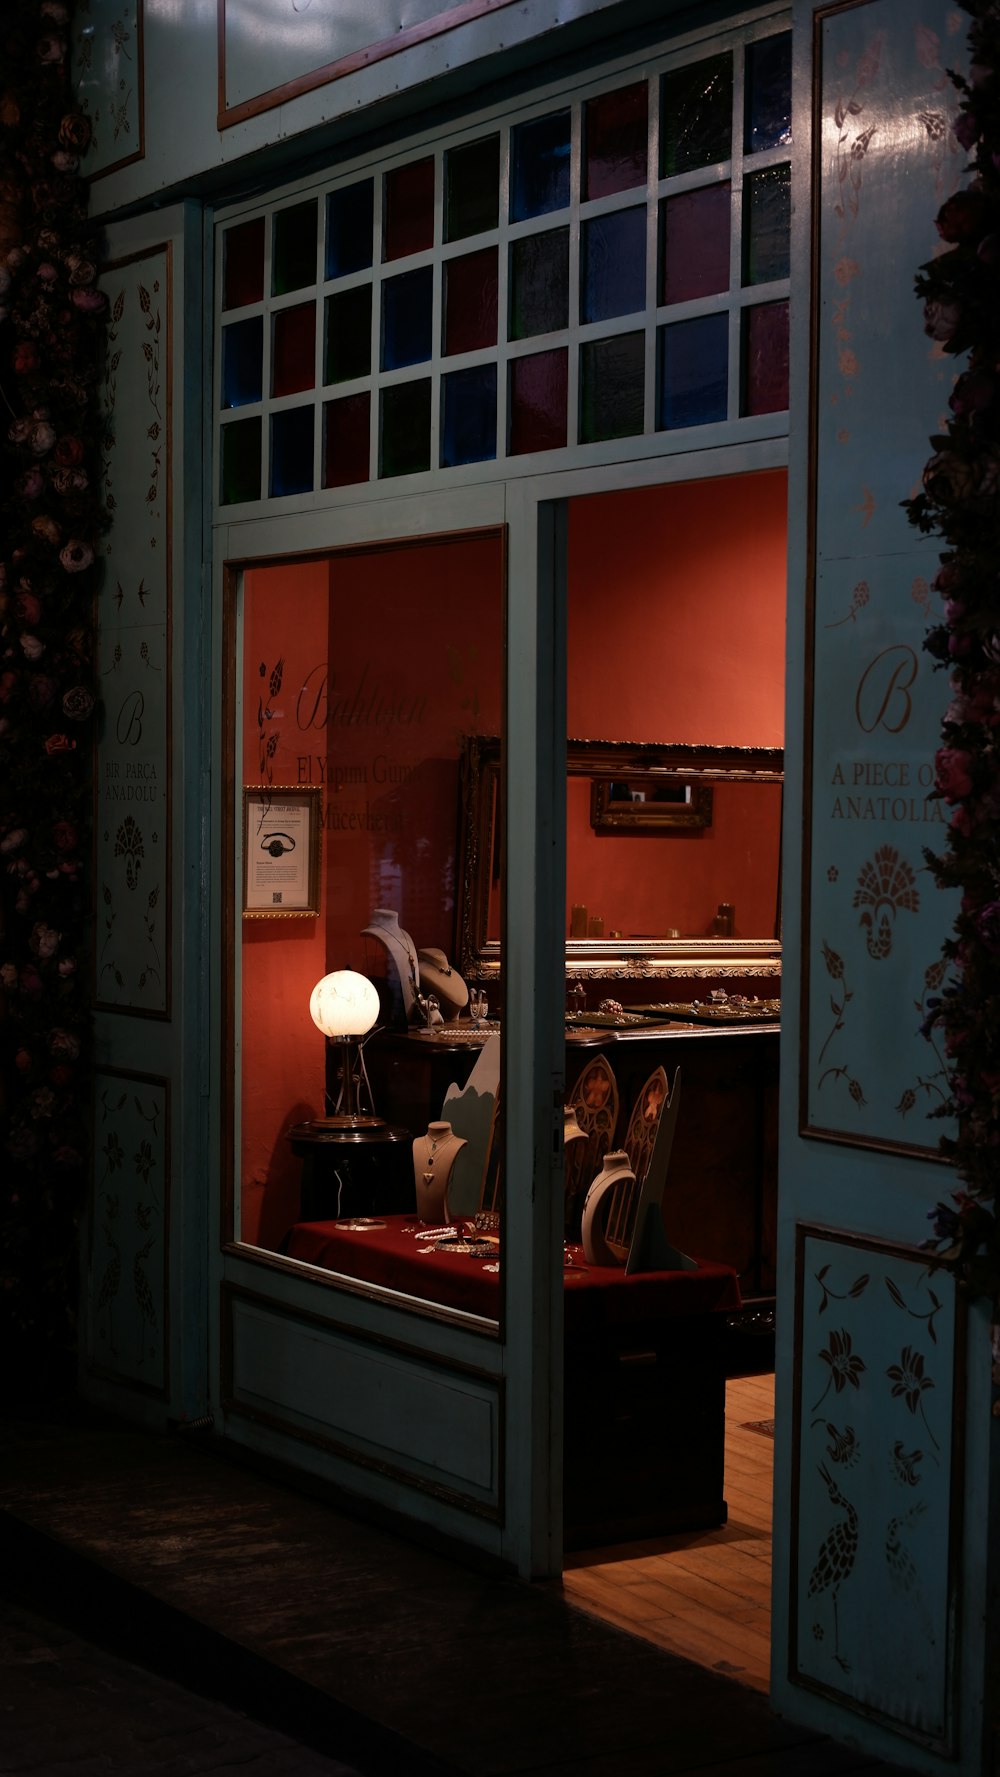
(405, 446)
(539, 283)
(696, 115)
(240, 442)
(767, 221)
(348, 335)
(293, 248)
(472, 188)
(612, 382)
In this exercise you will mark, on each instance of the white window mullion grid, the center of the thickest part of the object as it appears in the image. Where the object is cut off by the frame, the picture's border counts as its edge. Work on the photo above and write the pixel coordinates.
(375, 406)
(649, 404)
(573, 330)
(503, 297)
(433, 369)
(736, 212)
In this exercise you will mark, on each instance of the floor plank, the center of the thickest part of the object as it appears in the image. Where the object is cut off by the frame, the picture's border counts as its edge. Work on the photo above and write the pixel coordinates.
(704, 1594)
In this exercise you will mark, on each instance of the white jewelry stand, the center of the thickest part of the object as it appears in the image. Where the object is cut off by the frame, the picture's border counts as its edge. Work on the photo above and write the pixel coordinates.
(434, 1155)
(401, 954)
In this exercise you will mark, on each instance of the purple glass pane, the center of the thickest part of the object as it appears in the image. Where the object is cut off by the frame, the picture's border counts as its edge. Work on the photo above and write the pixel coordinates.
(613, 265)
(243, 264)
(765, 358)
(695, 243)
(615, 127)
(409, 209)
(293, 349)
(346, 426)
(470, 302)
(538, 388)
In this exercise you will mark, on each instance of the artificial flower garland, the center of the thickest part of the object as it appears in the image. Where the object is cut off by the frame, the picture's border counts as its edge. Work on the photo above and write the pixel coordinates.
(960, 501)
(52, 336)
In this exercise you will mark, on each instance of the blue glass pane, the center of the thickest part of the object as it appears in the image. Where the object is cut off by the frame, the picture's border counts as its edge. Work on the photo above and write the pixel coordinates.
(469, 416)
(768, 116)
(694, 372)
(292, 451)
(406, 318)
(539, 166)
(243, 362)
(613, 265)
(350, 218)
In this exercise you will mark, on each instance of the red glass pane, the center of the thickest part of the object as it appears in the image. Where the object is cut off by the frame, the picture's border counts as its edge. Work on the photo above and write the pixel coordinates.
(471, 302)
(243, 261)
(293, 351)
(615, 141)
(765, 358)
(538, 388)
(346, 427)
(696, 228)
(409, 209)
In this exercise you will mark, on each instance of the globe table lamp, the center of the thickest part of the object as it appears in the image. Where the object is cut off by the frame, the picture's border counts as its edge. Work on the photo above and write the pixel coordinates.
(344, 1006)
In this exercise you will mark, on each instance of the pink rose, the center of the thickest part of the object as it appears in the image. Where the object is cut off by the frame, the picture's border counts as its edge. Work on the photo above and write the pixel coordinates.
(64, 1044)
(13, 840)
(41, 691)
(41, 437)
(46, 527)
(59, 743)
(77, 703)
(64, 161)
(46, 272)
(25, 357)
(31, 483)
(81, 271)
(44, 940)
(69, 481)
(954, 778)
(32, 647)
(76, 556)
(90, 301)
(64, 835)
(51, 49)
(19, 431)
(29, 609)
(68, 451)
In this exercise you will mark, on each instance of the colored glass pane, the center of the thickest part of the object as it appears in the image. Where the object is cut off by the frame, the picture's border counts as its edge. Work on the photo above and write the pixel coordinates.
(243, 362)
(406, 428)
(292, 451)
(767, 220)
(243, 264)
(612, 377)
(615, 127)
(406, 318)
(765, 358)
(293, 349)
(470, 306)
(538, 390)
(696, 112)
(694, 372)
(350, 216)
(346, 427)
(240, 448)
(409, 209)
(768, 114)
(539, 166)
(695, 243)
(469, 416)
(539, 283)
(613, 265)
(348, 335)
(472, 188)
(293, 248)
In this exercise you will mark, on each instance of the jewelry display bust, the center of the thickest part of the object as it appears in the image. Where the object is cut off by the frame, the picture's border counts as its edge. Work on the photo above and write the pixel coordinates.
(434, 1155)
(606, 1196)
(401, 955)
(438, 977)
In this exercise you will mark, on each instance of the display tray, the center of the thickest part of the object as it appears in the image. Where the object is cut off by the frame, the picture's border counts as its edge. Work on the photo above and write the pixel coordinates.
(614, 1020)
(700, 1012)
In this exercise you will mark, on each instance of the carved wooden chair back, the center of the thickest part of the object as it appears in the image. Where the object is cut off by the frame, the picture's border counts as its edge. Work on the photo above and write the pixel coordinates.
(594, 1098)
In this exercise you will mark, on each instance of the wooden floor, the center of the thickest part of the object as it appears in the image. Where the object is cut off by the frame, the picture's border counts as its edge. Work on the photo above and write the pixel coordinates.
(705, 1594)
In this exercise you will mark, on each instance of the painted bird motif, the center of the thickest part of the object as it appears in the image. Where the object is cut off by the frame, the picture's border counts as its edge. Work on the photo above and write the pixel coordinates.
(836, 1558)
(903, 1572)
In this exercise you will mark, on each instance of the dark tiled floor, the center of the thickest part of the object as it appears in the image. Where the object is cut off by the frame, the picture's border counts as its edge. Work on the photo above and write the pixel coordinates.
(360, 1644)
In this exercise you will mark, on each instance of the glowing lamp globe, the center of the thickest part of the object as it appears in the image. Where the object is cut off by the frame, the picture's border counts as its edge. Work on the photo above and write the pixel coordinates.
(344, 1004)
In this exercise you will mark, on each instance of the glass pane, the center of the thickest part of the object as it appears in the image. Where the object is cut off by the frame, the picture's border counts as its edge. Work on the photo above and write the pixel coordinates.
(293, 349)
(539, 283)
(612, 374)
(292, 451)
(615, 141)
(243, 264)
(293, 248)
(765, 358)
(696, 116)
(409, 209)
(613, 265)
(469, 418)
(694, 372)
(768, 118)
(240, 442)
(472, 188)
(470, 306)
(406, 428)
(767, 219)
(346, 426)
(695, 243)
(406, 318)
(243, 362)
(539, 166)
(538, 387)
(348, 335)
(350, 217)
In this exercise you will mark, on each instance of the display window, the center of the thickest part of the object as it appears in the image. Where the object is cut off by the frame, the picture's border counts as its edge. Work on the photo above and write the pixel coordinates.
(365, 1128)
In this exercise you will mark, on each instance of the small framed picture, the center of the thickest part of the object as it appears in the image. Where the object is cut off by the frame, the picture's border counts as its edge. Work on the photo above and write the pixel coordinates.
(280, 852)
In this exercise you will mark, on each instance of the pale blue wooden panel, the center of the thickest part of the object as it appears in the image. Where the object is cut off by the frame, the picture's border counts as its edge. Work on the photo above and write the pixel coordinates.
(108, 77)
(127, 1271)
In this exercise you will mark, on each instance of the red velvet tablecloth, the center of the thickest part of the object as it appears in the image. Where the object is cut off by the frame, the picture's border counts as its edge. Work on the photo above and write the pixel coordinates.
(398, 1253)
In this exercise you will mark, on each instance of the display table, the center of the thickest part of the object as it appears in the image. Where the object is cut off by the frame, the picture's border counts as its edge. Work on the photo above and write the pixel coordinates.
(644, 1371)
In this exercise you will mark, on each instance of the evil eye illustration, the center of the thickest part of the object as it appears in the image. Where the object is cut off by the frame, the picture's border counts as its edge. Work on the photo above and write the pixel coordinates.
(277, 843)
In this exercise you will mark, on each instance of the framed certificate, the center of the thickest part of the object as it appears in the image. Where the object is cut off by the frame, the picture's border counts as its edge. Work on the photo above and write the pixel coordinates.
(280, 852)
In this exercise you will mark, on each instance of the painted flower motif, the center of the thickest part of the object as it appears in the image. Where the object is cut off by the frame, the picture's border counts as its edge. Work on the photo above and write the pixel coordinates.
(113, 1152)
(845, 1367)
(907, 1377)
(834, 963)
(843, 1447)
(129, 845)
(903, 1464)
(144, 1161)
